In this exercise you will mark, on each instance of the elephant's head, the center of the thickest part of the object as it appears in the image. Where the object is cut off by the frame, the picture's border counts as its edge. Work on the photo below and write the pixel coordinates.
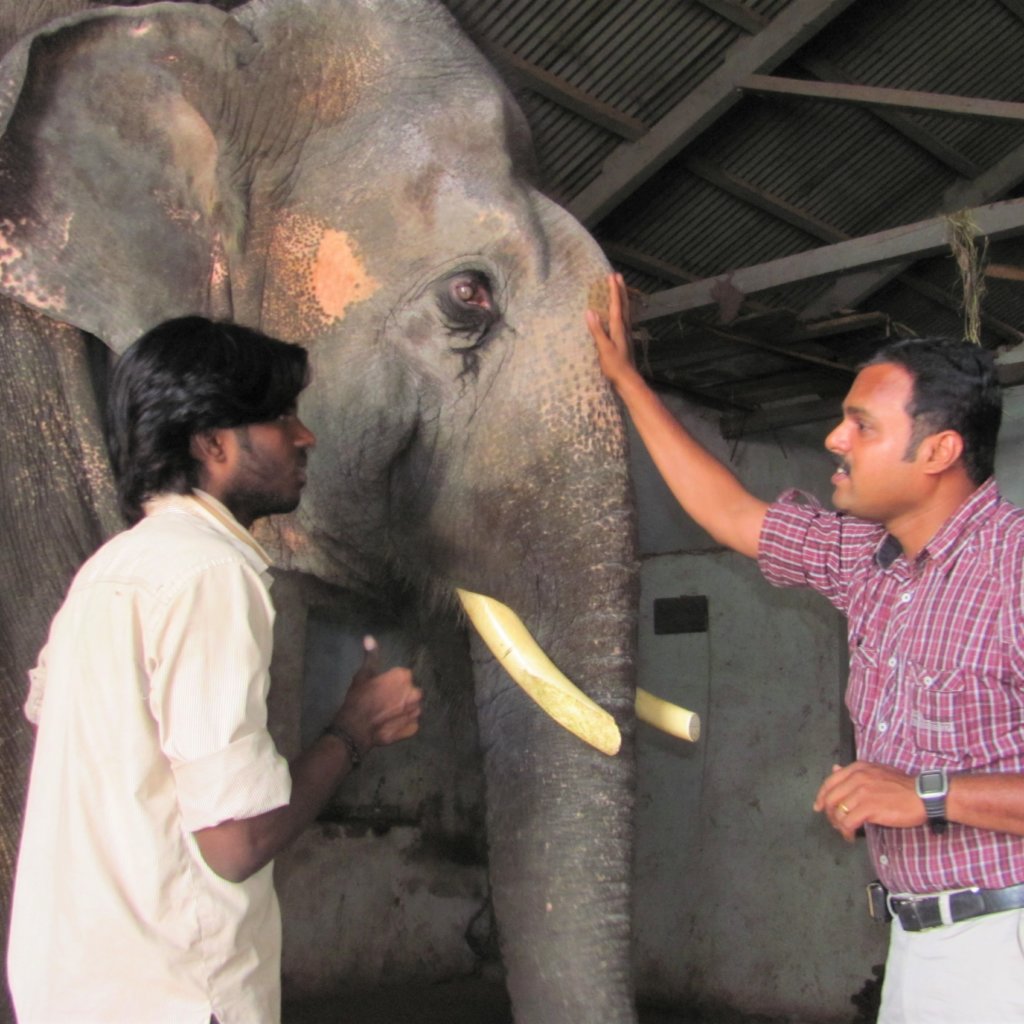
(352, 176)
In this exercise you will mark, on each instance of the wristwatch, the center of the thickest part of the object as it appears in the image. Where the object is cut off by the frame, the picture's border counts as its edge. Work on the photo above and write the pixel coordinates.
(932, 787)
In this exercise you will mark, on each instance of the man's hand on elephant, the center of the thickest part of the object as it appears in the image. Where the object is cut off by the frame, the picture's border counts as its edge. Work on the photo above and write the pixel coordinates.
(863, 792)
(614, 347)
(380, 708)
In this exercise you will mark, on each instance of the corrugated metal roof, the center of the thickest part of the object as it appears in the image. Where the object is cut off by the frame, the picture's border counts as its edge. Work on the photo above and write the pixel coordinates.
(648, 106)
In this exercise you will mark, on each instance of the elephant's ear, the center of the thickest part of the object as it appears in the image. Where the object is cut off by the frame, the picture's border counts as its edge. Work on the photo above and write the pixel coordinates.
(113, 210)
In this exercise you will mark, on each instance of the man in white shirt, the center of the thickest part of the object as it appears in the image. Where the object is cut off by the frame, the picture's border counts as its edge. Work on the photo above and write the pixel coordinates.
(157, 799)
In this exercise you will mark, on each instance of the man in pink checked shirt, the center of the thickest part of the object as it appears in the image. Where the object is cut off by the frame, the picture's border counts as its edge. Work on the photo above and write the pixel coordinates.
(927, 562)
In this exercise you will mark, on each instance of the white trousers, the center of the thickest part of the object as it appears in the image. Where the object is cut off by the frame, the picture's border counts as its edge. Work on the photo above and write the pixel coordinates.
(966, 973)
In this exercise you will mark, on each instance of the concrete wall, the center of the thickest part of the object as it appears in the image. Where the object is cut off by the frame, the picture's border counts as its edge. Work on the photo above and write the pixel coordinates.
(744, 897)
(1010, 456)
(390, 886)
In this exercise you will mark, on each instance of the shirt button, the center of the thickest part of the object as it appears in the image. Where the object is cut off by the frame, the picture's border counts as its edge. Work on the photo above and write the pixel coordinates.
(928, 680)
(883, 860)
(882, 726)
(904, 598)
(892, 662)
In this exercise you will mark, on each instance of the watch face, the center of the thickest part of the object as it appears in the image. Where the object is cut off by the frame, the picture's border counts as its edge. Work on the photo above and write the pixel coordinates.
(931, 784)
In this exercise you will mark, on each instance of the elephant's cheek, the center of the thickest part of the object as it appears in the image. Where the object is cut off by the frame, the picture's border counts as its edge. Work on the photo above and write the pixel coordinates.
(318, 275)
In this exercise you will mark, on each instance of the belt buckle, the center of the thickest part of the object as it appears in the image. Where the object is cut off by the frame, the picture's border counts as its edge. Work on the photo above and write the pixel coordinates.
(966, 903)
(918, 915)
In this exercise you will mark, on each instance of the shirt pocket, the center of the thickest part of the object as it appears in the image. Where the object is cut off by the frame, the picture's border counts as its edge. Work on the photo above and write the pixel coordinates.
(938, 708)
(862, 691)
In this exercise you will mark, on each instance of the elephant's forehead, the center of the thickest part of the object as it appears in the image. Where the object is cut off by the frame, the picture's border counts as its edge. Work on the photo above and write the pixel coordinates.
(468, 135)
(451, 211)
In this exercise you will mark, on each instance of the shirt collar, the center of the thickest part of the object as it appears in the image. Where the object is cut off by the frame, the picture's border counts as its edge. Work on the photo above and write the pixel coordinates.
(207, 507)
(978, 507)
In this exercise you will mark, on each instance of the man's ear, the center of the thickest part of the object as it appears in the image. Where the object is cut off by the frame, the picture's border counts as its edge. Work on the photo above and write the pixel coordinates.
(209, 449)
(942, 451)
(207, 446)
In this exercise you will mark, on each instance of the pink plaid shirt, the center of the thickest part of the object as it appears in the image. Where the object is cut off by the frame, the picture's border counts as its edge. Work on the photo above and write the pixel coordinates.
(936, 662)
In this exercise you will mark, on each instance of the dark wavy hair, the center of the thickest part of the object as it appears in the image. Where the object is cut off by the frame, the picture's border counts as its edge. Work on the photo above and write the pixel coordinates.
(956, 387)
(183, 377)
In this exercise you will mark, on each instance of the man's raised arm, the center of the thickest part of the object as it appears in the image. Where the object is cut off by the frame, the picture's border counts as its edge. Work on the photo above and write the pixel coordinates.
(703, 486)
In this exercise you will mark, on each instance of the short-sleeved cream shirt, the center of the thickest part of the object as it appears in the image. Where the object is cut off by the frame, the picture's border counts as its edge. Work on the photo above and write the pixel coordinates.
(150, 700)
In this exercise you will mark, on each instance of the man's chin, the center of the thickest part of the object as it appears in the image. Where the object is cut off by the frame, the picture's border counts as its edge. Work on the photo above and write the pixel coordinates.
(841, 500)
(279, 506)
(287, 505)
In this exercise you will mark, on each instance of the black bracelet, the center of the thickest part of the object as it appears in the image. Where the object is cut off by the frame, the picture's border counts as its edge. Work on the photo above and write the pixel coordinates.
(353, 748)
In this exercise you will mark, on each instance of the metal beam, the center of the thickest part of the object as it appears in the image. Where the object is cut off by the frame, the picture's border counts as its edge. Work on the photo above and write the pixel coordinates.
(911, 241)
(631, 164)
(876, 96)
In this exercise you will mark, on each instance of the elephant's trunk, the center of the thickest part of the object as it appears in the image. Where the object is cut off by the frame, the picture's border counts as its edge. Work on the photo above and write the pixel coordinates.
(560, 820)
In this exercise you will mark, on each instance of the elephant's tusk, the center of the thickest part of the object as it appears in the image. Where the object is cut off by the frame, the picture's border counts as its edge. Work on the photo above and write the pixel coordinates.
(670, 718)
(521, 656)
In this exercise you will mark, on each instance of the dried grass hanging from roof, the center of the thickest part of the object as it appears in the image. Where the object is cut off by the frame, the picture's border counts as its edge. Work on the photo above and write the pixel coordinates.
(963, 243)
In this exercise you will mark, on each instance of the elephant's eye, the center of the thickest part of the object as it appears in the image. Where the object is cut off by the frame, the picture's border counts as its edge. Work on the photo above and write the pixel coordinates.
(469, 311)
(467, 302)
(471, 289)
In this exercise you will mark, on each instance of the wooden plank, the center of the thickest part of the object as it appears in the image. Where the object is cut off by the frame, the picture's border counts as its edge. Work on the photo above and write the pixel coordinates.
(1015, 7)
(757, 197)
(943, 298)
(736, 425)
(827, 71)
(851, 290)
(762, 200)
(911, 241)
(871, 95)
(739, 14)
(847, 324)
(1011, 375)
(749, 341)
(565, 94)
(627, 256)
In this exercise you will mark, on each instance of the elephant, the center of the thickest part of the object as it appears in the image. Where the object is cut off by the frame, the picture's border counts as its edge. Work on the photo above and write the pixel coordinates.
(351, 175)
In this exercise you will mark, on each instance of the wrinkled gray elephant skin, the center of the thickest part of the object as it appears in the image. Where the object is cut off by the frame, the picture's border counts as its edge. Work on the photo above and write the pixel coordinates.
(349, 175)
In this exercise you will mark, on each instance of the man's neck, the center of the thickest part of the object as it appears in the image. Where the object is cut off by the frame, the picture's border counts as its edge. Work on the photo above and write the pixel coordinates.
(915, 528)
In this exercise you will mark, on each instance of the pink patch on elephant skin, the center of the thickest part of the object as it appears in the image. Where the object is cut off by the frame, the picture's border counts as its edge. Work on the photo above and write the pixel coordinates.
(19, 279)
(339, 278)
(315, 275)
